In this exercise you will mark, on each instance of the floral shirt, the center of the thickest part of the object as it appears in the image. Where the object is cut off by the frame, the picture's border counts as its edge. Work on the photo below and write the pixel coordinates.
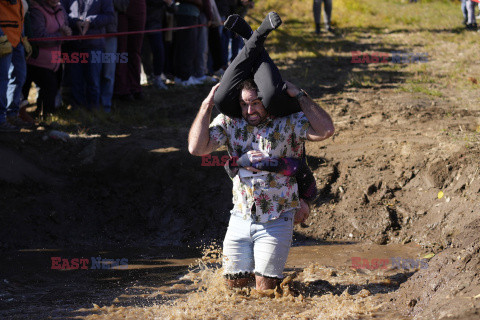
(272, 193)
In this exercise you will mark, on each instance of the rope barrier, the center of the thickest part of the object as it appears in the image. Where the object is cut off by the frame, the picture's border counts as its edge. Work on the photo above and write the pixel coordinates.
(107, 35)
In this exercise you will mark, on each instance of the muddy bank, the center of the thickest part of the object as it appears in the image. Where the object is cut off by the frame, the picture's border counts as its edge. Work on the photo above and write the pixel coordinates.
(397, 174)
(130, 189)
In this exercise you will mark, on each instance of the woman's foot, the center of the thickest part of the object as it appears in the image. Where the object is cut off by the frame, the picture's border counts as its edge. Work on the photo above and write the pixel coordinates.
(237, 24)
(271, 22)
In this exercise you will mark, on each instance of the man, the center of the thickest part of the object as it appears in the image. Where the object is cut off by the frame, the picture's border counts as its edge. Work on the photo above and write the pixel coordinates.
(260, 231)
(317, 13)
(12, 63)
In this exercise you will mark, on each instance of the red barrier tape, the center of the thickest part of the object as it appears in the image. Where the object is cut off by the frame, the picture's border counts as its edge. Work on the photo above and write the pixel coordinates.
(107, 35)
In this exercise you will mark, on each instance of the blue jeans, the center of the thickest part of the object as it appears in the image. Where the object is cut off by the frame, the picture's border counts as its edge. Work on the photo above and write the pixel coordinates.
(85, 79)
(464, 9)
(107, 81)
(4, 66)
(17, 74)
(235, 46)
(257, 247)
(471, 12)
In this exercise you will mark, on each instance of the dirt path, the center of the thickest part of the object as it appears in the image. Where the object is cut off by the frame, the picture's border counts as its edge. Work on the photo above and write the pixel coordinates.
(403, 167)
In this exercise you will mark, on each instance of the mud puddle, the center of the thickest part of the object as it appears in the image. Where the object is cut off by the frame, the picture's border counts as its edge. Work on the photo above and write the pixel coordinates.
(176, 283)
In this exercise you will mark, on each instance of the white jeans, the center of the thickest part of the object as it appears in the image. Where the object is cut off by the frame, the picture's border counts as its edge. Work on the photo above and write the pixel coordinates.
(257, 247)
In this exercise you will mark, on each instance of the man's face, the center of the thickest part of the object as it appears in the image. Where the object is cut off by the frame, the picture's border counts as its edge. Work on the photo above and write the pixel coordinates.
(252, 107)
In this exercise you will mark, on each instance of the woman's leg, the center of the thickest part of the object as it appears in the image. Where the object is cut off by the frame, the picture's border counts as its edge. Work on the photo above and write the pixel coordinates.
(272, 88)
(241, 68)
(265, 74)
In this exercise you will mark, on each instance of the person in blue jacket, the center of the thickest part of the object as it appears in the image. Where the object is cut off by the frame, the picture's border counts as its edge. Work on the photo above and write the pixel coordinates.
(87, 17)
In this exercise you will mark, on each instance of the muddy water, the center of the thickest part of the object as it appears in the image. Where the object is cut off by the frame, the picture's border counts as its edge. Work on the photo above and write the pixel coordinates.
(182, 283)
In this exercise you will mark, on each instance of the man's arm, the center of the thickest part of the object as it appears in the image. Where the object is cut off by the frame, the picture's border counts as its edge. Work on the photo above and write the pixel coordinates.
(321, 124)
(199, 142)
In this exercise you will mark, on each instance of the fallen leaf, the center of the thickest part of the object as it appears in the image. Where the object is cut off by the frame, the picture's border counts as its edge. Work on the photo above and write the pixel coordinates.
(440, 195)
(429, 256)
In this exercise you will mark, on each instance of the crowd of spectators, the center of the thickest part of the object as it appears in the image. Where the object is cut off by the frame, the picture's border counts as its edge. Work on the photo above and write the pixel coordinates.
(91, 72)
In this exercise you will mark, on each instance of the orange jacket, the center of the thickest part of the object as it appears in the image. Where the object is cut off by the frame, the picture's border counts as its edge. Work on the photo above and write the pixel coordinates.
(11, 20)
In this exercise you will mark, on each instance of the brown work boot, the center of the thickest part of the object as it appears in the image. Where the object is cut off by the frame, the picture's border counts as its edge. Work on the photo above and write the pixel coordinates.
(23, 115)
(17, 122)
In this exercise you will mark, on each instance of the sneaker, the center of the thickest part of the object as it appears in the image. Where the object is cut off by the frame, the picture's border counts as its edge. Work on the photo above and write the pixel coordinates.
(186, 83)
(7, 127)
(158, 83)
(199, 80)
(19, 123)
(330, 29)
(472, 27)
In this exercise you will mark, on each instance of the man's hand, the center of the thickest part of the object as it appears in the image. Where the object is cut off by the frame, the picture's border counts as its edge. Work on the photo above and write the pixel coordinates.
(292, 89)
(65, 30)
(27, 46)
(208, 102)
(86, 25)
(5, 46)
(199, 142)
(302, 214)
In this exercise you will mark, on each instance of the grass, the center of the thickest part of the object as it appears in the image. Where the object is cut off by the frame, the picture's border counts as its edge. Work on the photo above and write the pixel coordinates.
(315, 62)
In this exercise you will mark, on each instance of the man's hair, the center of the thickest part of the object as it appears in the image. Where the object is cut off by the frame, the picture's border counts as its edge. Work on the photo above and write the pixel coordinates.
(248, 84)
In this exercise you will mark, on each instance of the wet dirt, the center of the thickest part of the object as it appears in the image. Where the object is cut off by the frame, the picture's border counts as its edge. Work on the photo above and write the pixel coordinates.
(320, 282)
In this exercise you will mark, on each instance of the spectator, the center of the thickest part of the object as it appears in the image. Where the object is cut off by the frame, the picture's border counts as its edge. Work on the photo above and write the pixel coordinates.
(187, 14)
(47, 19)
(107, 80)
(12, 63)
(87, 17)
(224, 11)
(472, 22)
(317, 12)
(156, 10)
(201, 56)
(239, 7)
(216, 63)
(127, 75)
(464, 11)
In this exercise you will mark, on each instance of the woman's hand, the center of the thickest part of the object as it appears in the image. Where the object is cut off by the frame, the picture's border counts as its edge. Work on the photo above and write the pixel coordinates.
(302, 214)
(255, 156)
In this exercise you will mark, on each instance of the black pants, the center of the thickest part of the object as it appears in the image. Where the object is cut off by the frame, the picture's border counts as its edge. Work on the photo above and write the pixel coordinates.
(48, 82)
(185, 47)
(254, 62)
